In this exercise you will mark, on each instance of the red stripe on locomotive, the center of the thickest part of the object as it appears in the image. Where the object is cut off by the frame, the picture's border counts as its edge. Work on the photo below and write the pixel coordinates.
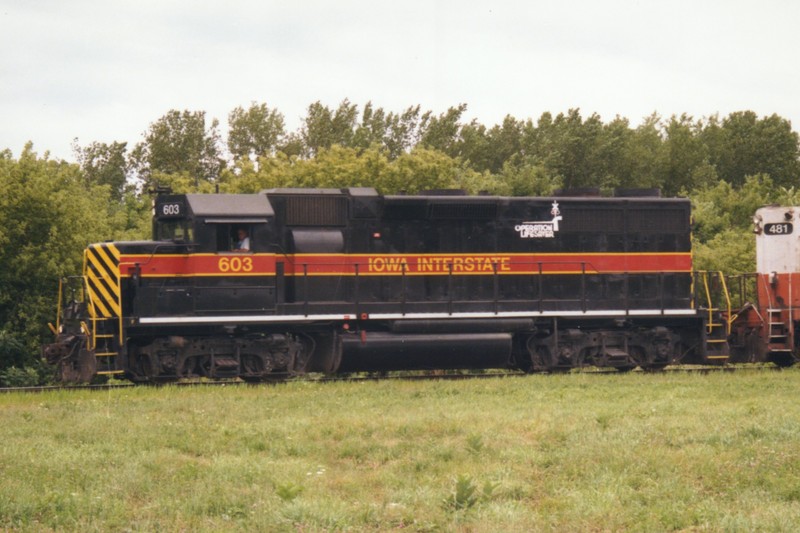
(399, 264)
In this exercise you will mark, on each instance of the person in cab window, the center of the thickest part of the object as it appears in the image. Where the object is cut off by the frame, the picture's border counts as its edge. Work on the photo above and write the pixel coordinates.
(243, 242)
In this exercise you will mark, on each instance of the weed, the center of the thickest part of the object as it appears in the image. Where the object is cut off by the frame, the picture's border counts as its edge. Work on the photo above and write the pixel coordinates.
(603, 420)
(475, 444)
(463, 496)
(488, 490)
(288, 491)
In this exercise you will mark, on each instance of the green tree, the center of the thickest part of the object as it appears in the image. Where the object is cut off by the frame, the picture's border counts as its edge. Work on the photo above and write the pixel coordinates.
(254, 131)
(404, 130)
(180, 142)
(442, 132)
(48, 213)
(104, 164)
(526, 177)
(373, 128)
(424, 169)
(474, 146)
(505, 140)
(682, 154)
(721, 206)
(627, 156)
(743, 145)
(324, 127)
(12, 350)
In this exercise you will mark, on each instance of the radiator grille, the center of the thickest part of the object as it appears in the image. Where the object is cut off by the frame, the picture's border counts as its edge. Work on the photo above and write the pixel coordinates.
(316, 211)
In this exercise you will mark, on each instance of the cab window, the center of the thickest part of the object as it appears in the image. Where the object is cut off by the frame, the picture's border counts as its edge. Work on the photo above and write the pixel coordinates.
(232, 237)
(173, 230)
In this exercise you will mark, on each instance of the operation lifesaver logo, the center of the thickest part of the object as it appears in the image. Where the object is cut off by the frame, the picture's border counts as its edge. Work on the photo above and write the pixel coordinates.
(540, 230)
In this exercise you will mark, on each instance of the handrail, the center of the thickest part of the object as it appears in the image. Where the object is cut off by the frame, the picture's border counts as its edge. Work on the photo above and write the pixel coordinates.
(728, 318)
(704, 274)
(709, 305)
(60, 304)
(412, 266)
(763, 278)
(404, 267)
(92, 313)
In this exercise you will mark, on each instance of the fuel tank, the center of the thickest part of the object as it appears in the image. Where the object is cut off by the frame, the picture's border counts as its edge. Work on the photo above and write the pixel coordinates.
(394, 351)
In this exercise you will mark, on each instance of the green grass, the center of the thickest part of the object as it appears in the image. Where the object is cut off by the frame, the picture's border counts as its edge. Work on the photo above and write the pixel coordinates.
(577, 452)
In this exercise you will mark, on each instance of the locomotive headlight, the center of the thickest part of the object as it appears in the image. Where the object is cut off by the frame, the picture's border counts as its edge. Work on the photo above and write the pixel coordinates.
(757, 228)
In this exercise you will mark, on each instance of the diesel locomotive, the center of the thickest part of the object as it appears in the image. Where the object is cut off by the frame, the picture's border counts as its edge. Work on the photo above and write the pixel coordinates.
(348, 280)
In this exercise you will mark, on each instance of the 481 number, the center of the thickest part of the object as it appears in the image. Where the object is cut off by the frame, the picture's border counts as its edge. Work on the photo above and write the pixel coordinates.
(235, 264)
(783, 228)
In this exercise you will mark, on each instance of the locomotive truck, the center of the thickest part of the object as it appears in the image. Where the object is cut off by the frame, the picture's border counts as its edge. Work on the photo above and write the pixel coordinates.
(348, 280)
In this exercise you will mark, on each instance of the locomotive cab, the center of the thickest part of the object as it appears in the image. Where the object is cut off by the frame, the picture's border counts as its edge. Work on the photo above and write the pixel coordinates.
(209, 223)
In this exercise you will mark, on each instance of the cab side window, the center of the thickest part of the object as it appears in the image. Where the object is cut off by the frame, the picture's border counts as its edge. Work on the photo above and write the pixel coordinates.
(234, 238)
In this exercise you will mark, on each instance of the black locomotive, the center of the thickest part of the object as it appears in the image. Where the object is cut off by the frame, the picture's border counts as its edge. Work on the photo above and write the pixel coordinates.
(345, 280)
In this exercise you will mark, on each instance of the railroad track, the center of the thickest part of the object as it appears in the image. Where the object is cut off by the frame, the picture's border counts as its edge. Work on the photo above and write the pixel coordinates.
(381, 377)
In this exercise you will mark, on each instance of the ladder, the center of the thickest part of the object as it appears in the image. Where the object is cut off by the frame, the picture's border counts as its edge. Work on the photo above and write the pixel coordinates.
(102, 342)
(718, 324)
(717, 347)
(778, 340)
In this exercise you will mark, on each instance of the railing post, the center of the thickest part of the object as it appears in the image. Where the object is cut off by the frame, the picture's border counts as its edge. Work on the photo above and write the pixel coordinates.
(625, 291)
(541, 289)
(305, 289)
(356, 288)
(495, 288)
(403, 289)
(583, 287)
(280, 282)
(449, 288)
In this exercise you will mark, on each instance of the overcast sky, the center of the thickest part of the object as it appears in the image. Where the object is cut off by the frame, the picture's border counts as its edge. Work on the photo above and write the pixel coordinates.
(104, 70)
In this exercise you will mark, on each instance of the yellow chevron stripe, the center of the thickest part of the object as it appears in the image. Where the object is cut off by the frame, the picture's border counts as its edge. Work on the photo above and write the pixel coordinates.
(114, 252)
(102, 270)
(107, 261)
(102, 296)
(98, 304)
(109, 277)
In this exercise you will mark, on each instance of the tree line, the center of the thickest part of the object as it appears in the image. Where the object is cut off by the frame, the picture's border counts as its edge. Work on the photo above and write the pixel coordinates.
(516, 157)
(50, 209)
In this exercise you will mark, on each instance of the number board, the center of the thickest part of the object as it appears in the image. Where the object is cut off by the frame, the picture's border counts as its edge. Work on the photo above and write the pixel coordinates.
(170, 209)
(781, 228)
